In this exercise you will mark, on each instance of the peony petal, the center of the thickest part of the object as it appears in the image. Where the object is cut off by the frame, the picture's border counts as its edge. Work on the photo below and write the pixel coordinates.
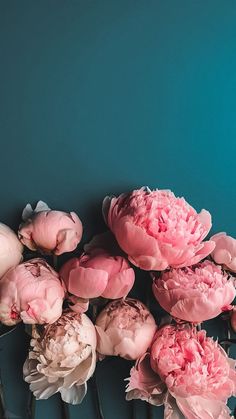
(44, 390)
(222, 256)
(196, 407)
(78, 305)
(28, 211)
(171, 409)
(67, 241)
(154, 399)
(106, 205)
(87, 282)
(205, 249)
(25, 236)
(142, 249)
(144, 383)
(82, 372)
(75, 394)
(204, 217)
(104, 343)
(119, 285)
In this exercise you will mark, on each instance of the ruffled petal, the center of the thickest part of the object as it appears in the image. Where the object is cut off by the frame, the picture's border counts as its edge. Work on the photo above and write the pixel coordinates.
(196, 407)
(75, 394)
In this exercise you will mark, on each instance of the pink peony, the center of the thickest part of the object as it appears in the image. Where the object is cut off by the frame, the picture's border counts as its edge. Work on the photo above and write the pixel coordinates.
(125, 328)
(62, 359)
(158, 230)
(31, 292)
(145, 384)
(98, 274)
(10, 249)
(50, 231)
(196, 293)
(192, 364)
(225, 251)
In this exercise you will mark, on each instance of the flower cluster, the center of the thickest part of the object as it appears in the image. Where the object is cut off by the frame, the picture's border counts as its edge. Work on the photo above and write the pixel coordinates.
(192, 279)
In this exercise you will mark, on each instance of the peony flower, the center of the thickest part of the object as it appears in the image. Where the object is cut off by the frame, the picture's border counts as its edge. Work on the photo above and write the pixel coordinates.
(10, 249)
(125, 328)
(194, 294)
(195, 369)
(224, 251)
(50, 231)
(98, 274)
(63, 359)
(158, 230)
(145, 384)
(31, 292)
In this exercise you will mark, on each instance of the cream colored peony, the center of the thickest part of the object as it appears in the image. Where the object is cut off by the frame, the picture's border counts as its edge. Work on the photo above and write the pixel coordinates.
(62, 359)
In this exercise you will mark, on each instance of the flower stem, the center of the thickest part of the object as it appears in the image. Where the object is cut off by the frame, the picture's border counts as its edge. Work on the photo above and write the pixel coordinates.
(2, 402)
(226, 342)
(97, 397)
(64, 410)
(94, 380)
(31, 405)
(95, 311)
(149, 411)
(133, 416)
(54, 261)
(148, 304)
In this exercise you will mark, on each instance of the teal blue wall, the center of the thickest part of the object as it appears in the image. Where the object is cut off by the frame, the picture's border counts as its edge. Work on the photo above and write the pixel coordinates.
(100, 96)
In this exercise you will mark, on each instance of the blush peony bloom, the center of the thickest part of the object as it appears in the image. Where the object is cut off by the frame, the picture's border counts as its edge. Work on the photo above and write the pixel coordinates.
(225, 251)
(31, 292)
(158, 230)
(63, 359)
(192, 364)
(10, 249)
(187, 372)
(98, 274)
(145, 384)
(125, 328)
(196, 293)
(50, 231)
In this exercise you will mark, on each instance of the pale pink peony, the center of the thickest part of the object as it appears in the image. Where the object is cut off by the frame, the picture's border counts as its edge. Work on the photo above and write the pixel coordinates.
(158, 230)
(192, 364)
(62, 359)
(31, 292)
(98, 274)
(125, 328)
(10, 249)
(50, 231)
(194, 294)
(225, 251)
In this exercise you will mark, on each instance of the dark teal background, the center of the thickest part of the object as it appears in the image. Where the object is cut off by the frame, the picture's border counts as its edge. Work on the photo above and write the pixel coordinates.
(103, 96)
